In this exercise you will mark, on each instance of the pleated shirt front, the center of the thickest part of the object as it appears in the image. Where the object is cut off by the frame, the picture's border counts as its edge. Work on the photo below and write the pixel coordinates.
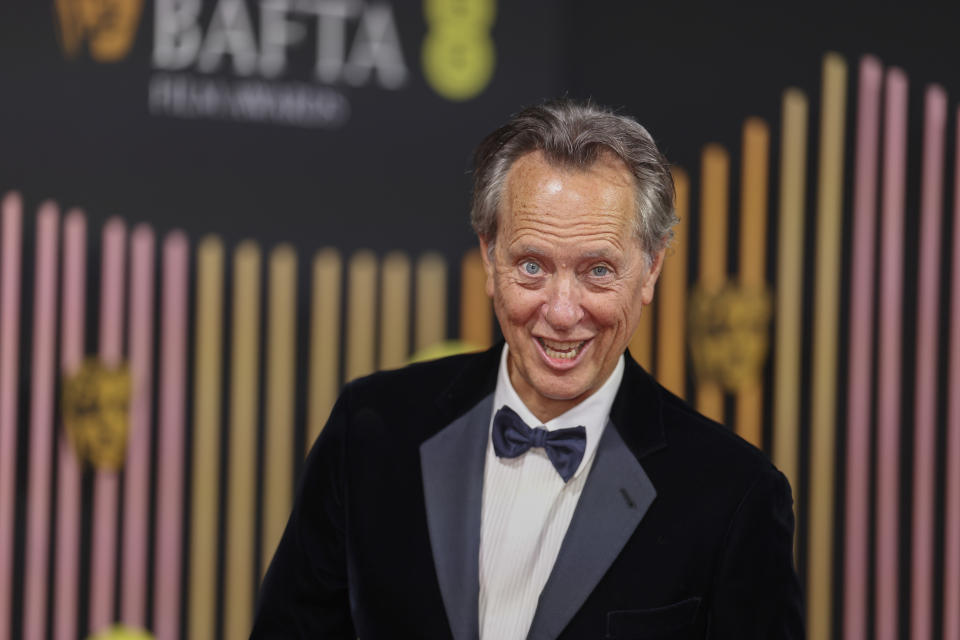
(527, 509)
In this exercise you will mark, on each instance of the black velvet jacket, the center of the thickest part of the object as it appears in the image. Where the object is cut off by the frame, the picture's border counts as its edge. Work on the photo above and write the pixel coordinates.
(683, 529)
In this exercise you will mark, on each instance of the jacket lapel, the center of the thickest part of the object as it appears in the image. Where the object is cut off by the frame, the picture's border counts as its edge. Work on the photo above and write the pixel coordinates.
(615, 498)
(452, 464)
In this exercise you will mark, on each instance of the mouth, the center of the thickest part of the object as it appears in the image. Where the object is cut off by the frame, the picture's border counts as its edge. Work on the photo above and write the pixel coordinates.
(560, 350)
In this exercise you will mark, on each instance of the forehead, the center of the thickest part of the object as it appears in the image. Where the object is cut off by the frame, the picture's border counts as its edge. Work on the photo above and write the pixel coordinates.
(568, 203)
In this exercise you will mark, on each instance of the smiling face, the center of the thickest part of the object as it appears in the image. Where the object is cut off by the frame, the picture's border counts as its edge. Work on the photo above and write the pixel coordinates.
(568, 277)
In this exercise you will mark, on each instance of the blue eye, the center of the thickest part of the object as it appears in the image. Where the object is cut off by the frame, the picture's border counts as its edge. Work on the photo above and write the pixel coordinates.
(600, 270)
(531, 268)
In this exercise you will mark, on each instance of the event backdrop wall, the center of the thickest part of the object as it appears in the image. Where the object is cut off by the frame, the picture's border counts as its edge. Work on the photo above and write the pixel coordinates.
(291, 180)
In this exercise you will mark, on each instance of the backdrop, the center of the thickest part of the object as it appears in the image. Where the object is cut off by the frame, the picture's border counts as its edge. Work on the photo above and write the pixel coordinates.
(215, 212)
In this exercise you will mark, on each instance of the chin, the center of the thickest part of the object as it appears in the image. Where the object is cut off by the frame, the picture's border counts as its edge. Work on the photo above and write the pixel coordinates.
(561, 392)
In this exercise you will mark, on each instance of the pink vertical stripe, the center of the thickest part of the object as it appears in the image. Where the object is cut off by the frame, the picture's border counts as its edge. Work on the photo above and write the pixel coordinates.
(888, 393)
(951, 569)
(105, 494)
(856, 541)
(925, 402)
(11, 237)
(137, 481)
(41, 423)
(67, 560)
(173, 359)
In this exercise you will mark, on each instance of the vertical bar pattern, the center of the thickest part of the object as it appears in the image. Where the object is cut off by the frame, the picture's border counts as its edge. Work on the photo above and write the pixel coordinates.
(324, 341)
(361, 303)
(281, 385)
(136, 492)
(951, 552)
(241, 493)
(476, 314)
(753, 260)
(672, 303)
(170, 440)
(366, 349)
(208, 362)
(41, 423)
(925, 397)
(11, 237)
(431, 314)
(67, 549)
(395, 311)
(888, 358)
(714, 189)
(789, 292)
(106, 485)
(859, 378)
(825, 344)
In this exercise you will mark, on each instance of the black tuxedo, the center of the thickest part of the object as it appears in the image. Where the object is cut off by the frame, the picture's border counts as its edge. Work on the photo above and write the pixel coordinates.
(683, 530)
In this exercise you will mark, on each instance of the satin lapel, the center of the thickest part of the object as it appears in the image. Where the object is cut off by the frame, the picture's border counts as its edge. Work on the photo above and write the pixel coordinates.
(614, 500)
(452, 463)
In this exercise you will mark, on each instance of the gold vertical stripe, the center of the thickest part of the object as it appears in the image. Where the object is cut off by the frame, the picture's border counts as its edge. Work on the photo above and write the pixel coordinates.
(476, 314)
(672, 298)
(641, 344)
(753, 203)
(241, 498)
(361, 303)
(753, 259)
(208, 363)
(281, 384)
(748, 416)
(713, 217)
(324, 341)
(789, 291)
(715, 176)
(825, 344)
(431, 320)
(395, 311)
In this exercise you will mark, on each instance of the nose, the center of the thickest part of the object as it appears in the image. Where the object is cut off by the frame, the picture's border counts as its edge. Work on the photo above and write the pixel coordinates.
(563, 310)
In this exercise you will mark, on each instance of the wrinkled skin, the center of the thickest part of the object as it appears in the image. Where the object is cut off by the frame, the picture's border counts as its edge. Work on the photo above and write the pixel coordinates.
(568, 277)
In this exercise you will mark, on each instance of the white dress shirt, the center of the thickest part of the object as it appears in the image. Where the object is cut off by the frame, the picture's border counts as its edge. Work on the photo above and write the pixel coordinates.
(527, 509)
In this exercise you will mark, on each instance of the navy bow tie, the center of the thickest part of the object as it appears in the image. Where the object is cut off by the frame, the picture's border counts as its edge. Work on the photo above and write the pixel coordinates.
(512, 437)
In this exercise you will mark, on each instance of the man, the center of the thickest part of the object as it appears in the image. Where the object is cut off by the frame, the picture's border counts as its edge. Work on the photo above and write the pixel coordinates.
(548, 487)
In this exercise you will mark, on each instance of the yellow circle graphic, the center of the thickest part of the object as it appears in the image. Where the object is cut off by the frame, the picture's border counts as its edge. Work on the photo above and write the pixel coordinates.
(458, 54)
(444, 349)
(121, 632)
(479, 14)
(458, 68)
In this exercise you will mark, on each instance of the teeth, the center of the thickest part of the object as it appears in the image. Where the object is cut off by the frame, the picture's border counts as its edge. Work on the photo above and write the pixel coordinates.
(562, 350)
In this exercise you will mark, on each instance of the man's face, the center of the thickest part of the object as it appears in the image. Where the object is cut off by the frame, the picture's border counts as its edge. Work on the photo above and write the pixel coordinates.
(567, 276)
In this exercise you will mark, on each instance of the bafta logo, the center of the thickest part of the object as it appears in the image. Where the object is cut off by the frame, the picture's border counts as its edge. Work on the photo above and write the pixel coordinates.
(96, 404)
(107, 26)
(729, 335)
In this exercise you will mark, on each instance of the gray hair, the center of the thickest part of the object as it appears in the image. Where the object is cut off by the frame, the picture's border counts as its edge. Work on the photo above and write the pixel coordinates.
(575, 135)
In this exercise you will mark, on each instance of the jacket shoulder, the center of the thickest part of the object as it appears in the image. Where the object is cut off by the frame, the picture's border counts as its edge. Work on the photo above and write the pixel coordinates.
(712, 454)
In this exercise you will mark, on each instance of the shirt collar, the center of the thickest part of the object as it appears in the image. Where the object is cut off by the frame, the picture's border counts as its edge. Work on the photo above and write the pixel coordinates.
(593, 413)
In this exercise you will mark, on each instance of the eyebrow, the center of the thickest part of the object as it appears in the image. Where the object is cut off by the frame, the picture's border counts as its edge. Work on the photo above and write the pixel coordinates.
(529, 250)
(602, 254)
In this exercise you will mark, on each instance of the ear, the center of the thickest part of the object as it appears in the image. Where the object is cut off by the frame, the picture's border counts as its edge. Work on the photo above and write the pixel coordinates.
(485, 250)
(650, 280)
